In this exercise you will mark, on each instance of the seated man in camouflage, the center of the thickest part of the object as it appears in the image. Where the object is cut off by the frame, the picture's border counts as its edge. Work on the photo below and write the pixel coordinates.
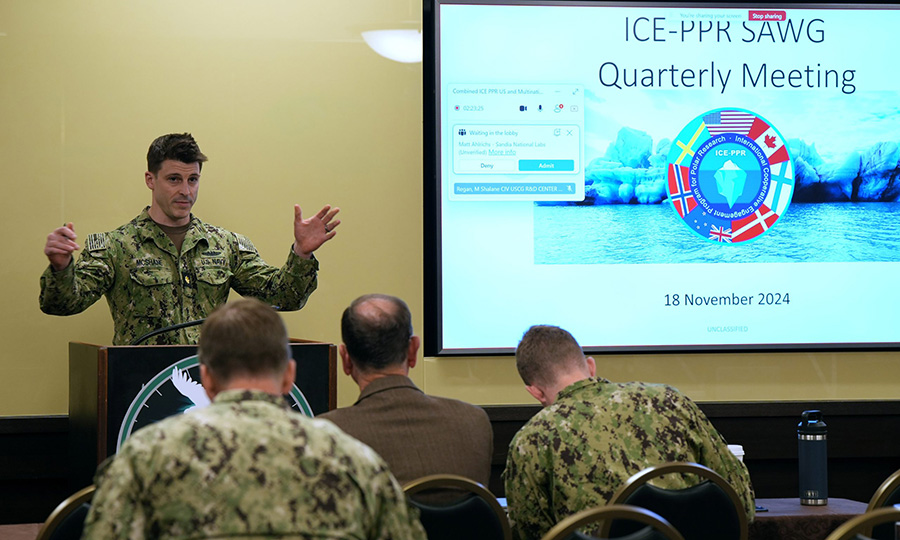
(166, 267)
(594, 434)
(247, 466)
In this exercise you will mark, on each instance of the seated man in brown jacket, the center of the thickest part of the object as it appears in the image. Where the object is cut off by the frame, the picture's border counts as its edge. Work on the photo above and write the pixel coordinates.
(415, 433)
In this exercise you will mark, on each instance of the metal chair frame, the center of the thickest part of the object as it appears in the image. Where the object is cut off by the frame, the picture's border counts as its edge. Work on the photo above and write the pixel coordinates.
(881, 499)
(62, 511)
(461, 483)
(863, 523)
(606, 514)
(637, 480)
(884, 491)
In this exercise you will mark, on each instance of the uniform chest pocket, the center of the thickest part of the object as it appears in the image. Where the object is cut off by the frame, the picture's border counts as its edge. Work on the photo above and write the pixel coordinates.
(213, 285)
(150, 277)
(214, 276)
(152, 293)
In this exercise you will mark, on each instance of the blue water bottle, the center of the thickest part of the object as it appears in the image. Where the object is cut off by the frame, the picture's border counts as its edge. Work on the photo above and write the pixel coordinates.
(812, 439)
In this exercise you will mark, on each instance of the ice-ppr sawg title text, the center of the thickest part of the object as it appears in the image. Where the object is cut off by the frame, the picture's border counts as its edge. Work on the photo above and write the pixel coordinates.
(764, 75)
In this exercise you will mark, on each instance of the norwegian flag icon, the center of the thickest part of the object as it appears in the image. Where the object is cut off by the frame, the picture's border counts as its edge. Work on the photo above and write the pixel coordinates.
(679, 190)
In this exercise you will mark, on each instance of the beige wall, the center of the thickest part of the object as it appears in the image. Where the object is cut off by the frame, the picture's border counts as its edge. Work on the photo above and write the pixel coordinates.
(291, 106)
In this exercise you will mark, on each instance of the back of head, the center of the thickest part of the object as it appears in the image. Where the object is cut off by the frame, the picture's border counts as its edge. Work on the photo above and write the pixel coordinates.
(244, 338)
(545, 352)
(376, 330)
(176, 146)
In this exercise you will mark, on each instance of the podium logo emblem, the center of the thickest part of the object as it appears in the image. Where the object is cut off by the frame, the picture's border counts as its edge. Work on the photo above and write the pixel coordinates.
(175, 390)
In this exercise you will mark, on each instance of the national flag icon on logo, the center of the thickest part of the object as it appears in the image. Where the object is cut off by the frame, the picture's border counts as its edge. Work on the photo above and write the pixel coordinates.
(769, 141)
(720, 234)
(679, 190)
(754, 224)
(779, 196)
(730, 177)
(728, 121)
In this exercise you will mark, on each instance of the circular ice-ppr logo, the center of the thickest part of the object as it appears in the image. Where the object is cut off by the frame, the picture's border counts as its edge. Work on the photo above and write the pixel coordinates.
(175, 390)
(730, 175)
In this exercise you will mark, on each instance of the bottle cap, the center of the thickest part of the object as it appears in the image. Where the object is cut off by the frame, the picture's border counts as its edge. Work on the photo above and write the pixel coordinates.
(811, 423)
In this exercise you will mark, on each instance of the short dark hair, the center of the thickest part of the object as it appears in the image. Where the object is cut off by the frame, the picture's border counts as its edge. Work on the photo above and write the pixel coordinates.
(544, 351)
(376, 329)
(178, 146)
(244, 337)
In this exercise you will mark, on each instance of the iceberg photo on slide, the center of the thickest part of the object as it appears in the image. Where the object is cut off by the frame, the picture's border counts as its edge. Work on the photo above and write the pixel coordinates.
(730, 181)
(844, 183)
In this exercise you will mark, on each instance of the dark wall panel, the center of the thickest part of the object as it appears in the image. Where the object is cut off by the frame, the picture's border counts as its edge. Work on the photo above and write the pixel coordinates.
(863, 442)
(863, 449)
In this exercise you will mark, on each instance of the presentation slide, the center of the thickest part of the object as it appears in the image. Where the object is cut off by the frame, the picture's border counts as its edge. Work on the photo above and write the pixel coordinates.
(668, 178)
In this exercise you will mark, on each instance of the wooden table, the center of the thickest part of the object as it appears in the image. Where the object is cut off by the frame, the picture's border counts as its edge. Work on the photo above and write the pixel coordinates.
(787, 519)
(23, 531)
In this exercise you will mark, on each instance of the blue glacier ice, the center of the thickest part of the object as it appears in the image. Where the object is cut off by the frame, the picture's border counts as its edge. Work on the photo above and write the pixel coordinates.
(632, 171)
(868, 175)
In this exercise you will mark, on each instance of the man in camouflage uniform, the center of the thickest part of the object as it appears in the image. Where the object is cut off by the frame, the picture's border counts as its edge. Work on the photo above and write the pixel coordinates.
(594, 434)
(246, 466)
(166, 266)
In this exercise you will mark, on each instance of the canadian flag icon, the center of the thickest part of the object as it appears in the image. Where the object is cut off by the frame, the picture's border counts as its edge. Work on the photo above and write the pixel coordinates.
(769, 141)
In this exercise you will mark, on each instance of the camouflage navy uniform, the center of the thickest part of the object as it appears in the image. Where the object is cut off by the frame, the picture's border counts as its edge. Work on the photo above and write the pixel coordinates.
(149, 286)
(246, 466)
(577, 452)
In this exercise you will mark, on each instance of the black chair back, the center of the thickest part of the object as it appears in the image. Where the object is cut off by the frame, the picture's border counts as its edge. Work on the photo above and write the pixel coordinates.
(72, 525)
(647, 533)
(859, 527)
(66, 522)
(471, 513)
(885, 531)
(700, 512)
(582, 525)
(887, 494)
(452, 507)
(709, 510)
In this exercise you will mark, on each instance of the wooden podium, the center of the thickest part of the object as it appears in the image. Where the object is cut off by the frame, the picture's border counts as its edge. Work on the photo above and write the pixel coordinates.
(116, 390)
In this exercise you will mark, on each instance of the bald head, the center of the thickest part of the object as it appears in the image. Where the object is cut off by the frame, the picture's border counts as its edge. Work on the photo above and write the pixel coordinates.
(376, 330)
